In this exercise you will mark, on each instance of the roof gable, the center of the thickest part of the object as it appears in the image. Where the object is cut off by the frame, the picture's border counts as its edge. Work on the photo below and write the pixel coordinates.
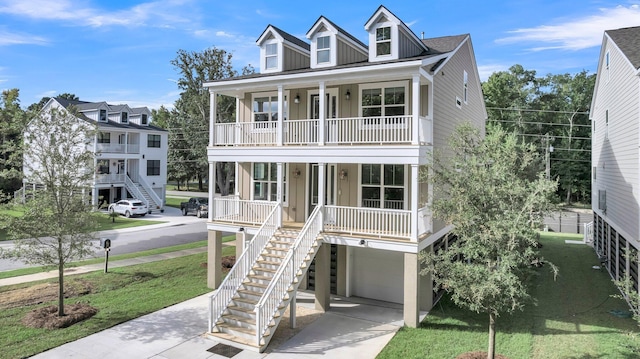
(628, 41)
(324, 24)
(272, 32)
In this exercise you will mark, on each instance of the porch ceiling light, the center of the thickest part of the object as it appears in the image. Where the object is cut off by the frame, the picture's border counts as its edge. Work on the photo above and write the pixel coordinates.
(348, 95)
(296, 173)
(343, 174)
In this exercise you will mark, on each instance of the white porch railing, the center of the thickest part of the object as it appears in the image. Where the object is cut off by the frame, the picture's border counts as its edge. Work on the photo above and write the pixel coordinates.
(154, 196)
(338, 131)
(284, 281)
(588, 232)
(219, 301)
(133, 148)
(110, 148)
(234, 210)
(424, 221)
(368, 221)
(363, 130)
(109, 178)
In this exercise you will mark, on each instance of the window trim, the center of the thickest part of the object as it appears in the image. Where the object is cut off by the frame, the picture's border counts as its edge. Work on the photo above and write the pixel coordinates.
(159, 168)
(270, 94)
(393, 46)
(124, 117)
(154, 141)
(104, 118)
(103, 137)
(465, 87)
(382, 86)
(405, 185)
(389, 40)
(278, 56)
(285, 194)
(144, 119)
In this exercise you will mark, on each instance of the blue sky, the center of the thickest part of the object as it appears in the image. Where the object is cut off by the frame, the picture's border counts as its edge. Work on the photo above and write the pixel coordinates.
(119, 51)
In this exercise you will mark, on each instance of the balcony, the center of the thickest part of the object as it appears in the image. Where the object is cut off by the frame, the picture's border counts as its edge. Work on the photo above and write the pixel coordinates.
(109, 178)
(334, 132)
(117, 148)
(350, 221)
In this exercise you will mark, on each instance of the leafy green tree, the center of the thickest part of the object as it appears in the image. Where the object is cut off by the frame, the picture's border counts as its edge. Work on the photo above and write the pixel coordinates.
(191, 117)
(35, 107)
(57, 226)
(12, 120)
(492, 192)
(546, 111)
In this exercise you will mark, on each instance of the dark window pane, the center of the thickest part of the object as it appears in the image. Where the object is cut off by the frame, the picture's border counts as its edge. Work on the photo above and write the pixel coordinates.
(371, 112)
(394, 198)
(383, 48)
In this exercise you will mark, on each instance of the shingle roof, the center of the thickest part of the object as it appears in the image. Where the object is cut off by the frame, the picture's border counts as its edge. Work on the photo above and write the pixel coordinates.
(342, 31)
(444, 44)
(292, 39)
(628, 40)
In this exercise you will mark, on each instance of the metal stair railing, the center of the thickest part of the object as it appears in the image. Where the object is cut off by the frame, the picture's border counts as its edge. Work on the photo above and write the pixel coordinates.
(220, 300)
(154, 196)
(285, 276)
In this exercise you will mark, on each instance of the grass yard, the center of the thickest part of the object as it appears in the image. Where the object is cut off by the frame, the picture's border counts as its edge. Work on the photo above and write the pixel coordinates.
(116, 294)
(571, 318)
(175, 201)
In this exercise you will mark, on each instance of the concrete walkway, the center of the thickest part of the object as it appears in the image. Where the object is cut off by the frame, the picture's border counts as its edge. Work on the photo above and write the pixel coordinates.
(352, 328)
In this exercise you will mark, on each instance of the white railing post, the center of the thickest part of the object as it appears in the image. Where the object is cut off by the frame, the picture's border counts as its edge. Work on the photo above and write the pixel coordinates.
(414, 202)
(212, 117)
(280, 123)
(415, 110)
(212, 190)
(322, 114)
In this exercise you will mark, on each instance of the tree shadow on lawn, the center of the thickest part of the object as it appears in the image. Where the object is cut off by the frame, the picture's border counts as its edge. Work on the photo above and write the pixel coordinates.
(578, 302)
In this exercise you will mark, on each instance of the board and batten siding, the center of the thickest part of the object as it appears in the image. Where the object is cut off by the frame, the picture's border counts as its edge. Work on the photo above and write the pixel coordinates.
(294, 60)
(616, 158)
(407, 47)
(346, 54)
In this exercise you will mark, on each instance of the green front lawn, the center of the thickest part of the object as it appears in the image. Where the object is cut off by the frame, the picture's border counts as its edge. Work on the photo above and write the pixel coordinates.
(571, 318)
(120, 295)
(175, 201)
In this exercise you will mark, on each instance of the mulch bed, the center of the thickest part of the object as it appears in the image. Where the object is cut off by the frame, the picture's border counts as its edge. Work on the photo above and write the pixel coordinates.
(47, 317)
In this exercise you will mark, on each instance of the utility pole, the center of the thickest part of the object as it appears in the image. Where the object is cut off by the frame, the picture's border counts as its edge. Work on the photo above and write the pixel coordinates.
(548, 148)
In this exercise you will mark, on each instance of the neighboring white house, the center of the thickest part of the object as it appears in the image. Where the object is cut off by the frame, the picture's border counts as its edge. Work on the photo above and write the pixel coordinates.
(615, 154)
(130, 153)
(329, 142)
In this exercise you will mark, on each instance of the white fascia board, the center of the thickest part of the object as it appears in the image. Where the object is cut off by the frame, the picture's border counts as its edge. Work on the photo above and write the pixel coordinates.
(605, 39)
(372, 243)
(434, 237)
(312, 76)
(416, 155)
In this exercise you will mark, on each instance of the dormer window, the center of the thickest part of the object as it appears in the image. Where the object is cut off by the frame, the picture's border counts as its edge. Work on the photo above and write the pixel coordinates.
(383, 41)
(124, 118)
(271, 56)
(103, 116)
(323, 49)
(144, 119)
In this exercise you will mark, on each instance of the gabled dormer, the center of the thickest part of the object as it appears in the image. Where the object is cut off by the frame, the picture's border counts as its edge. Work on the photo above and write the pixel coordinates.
(332, 46)
(390, 38)
(280, 51)
(140, 116)
(119, 113)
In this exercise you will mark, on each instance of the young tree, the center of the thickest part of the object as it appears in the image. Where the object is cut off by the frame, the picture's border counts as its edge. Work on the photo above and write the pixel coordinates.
(57, 226)
(492, 192)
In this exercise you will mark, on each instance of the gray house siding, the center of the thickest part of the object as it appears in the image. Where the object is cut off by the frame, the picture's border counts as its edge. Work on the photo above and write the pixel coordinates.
(347, 54)
(407, 46)
(615, 147)
(294, 60)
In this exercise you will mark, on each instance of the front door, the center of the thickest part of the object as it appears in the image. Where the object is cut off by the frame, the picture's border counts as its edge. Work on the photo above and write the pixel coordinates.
(330, 187)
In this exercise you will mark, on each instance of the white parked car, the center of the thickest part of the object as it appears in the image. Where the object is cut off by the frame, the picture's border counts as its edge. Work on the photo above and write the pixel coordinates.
(129, 207)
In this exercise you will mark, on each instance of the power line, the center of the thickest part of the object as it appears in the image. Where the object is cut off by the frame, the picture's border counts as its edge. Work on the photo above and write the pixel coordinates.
(541, 123)
(533, 110)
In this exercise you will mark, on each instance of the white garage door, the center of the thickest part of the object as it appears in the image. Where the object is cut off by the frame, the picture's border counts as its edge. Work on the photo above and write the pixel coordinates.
(377, 274)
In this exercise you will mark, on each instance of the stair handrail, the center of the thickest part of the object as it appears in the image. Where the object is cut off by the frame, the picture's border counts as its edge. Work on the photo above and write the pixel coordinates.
(222, 297)
(131, 187)
(154, 196)
(284, 277)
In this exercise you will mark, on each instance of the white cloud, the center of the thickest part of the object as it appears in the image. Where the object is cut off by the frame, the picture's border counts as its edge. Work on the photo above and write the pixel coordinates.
(9, 38)
(484, 71)
(577, 34)
(158, 13)
(224, 34)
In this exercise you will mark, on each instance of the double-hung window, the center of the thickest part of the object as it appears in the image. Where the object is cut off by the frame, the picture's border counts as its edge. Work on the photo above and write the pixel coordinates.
(271, 56)
(383, 186)
(383, 41)
(153, 141)
(153, 167)
(265, 182)
(124, 117)
(323, 53)
(384, 100)
(104, 137)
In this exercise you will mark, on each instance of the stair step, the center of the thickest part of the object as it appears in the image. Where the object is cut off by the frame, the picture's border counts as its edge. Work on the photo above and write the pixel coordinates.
(247, 323)
(266, 262)
(232, 329)
(242, 311)
(272, 255)
(255, 284)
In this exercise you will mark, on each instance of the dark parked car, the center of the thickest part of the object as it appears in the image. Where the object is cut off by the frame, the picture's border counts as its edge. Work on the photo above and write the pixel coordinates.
(197, 205)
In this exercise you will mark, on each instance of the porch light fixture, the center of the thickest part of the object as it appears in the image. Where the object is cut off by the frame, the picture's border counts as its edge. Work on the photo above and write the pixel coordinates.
(343, 174)
(296, 173)
(297, 99)
(348, 95)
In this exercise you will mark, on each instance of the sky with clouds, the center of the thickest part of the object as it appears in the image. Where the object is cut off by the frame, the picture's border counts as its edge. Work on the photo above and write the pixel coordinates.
(120, 51)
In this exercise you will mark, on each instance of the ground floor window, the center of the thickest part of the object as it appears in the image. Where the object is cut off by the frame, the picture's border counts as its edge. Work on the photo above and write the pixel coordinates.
(153, 167)
(383, 186)
(265, 182)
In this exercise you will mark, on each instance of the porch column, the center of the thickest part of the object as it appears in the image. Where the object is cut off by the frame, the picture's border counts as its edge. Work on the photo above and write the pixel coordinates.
(415, 109)
(213, 113)
(411, 308)
(94, 191)
(238, 132)
(323, 277)
(212, 189)
(280, 125)
(214, 259)
(322, 114)
(236, 179)
(415, 196)
(322, 170)
(280, 181)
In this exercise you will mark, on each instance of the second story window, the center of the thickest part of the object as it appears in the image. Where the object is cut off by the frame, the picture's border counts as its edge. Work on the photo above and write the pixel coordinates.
(271, 56)
(153, 141)
(103, 116)
(383, 41)
(144, 119)
(324, 49)
(124, 117)
(384, 101)
(265, 108)
(104, 137)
